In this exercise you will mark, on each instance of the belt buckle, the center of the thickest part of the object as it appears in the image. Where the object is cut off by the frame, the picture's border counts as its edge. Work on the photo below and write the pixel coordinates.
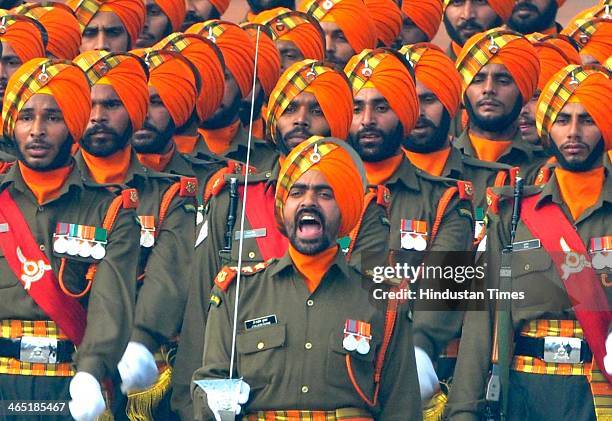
(559, 349)
(36, 349)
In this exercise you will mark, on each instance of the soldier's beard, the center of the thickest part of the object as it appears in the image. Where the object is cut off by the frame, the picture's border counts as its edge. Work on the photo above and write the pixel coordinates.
(61, 159)
(494, 124)
(435, 142)
(104, 149)
(312, 246)
(224, 116)
(539, 23)
(589, 163)
(159, 141)
(386, 149)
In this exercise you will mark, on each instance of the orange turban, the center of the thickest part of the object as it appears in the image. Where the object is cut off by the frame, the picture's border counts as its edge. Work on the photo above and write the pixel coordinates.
(426, 15)
(330, 88)
(235, 45)
(594, 35)
(437, 72)
(25, 35)
(388, 18)
(62, 79)
(505, 47)
(176, 80)
(590, 85)
(126, 73)
(342, 168)
(175, 10)
(552, 59)
(63, 31)
(351, 16)
(502, 8)
(388, 72)
(268, 59)
(220, 5)
(132, 13)
(301, 29)
(207, 59)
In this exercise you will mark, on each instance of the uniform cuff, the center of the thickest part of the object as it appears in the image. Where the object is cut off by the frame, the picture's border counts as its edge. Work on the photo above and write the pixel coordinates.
(93, 366)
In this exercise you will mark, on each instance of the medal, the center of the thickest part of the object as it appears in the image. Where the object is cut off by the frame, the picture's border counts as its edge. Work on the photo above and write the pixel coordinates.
(98, 251)
(147, 229)
(73, 247)
(60, 244)
(147, 239)
(85, 249)
(420, 243)
(363, 346)
(407, 241)
(598, 260)
(349, 343)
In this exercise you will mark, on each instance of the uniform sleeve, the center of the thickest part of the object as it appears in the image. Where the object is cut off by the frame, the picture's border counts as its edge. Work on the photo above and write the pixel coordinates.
(110, 311)
(399, 392)
(434, 329)
(206, 265)
(161, 299)
(217, 352)
(467, 395)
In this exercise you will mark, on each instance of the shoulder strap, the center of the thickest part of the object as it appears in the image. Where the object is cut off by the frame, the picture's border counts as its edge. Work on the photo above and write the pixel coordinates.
(570, 256)
(33, 269)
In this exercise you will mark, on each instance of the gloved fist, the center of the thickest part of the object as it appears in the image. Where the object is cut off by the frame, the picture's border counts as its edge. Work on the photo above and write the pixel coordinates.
(137, 368)
(87, 402)
(428, 380)
(225, 396)
(608, 357)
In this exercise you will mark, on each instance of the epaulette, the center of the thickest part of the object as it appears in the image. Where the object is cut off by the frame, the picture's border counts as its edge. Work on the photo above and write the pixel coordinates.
(216, 182)
(465, 190)
(497, 195)
(492, 201)
(130, 198)
(227, 275)
(502, 176)
(5, 166)
(189, 187)
(543, 176)
(383, 196)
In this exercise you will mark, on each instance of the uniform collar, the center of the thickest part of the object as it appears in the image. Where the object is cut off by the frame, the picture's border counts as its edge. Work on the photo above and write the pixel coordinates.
(525, 151)
(285, 265)
(13, 176)
(405, 174)
(454, 164)
(136, 171)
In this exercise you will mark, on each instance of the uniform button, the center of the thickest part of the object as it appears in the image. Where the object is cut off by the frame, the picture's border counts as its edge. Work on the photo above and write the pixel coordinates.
(527, 266)
(304, 389)
(308, 345)
(42, 247)
(309, 303)
(40, 209)
(252, 255)
(268, 174)
(260, 345)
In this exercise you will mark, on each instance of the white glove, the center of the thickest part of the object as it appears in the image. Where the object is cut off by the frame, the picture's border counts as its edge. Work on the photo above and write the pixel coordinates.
(87, 402)
(428, 380)
(608, 357)
(137, 368)
(221, 395)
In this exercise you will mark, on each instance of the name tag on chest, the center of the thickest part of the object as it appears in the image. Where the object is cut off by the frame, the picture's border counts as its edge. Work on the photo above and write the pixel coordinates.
(526, 245)
(256, 233)
(260, 322)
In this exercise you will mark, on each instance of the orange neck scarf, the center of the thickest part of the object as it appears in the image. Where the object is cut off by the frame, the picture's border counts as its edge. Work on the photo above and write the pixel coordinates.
(432, 163)
(489, 150)
(379, 172)
(45, 185)
(156, 161)
(109, 169)
(218, 140)
(580, 190)
(456, 48)
(313, 267)
(185, 144)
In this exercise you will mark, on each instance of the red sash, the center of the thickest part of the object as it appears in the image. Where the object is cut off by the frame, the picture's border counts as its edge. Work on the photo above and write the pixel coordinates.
(65, 311)
(549, 224)
(260, 214)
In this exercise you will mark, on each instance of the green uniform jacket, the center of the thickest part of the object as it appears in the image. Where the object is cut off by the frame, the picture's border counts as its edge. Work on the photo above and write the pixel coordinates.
(373, 237)
(415, 195)
(301, 364)
(167, 265)
(534, 273)
(527, 156)
(110, 302)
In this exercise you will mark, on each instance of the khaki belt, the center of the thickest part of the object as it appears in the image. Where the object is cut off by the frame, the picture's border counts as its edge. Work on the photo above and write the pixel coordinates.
(343, 414)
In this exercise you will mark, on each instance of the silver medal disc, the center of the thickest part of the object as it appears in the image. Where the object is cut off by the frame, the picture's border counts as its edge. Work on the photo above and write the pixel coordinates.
(363, 347)
(147, 239)
(598, 260)
(73, 247)
(85, 249)
(98, 251)
(349, 343)
(60, 245)
(407, 241)
(420, 243)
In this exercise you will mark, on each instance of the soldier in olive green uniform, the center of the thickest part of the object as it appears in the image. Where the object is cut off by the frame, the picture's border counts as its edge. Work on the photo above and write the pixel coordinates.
(320, 108)
(166, 211)
(297, 345)
(494, 90)
(66, 270)
(558, 251)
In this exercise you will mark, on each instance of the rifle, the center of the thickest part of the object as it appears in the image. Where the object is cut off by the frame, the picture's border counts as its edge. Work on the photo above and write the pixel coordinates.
(231, 216)
(499, 376)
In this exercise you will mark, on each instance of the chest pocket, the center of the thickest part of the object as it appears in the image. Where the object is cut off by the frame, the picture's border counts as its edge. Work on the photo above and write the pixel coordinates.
(250, 251)
(7, 277)
(363, 365)
(261, 356)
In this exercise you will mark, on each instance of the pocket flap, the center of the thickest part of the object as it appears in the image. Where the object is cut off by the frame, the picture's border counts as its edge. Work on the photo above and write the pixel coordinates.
(261, 339)
(531, 261)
